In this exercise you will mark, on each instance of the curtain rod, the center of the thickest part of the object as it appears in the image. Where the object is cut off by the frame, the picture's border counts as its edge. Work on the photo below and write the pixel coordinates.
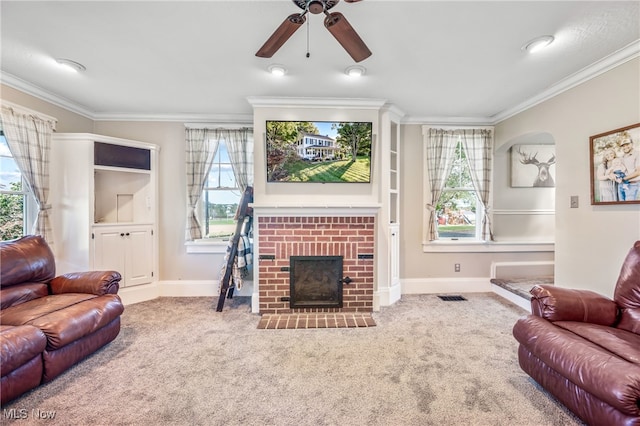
(23, 110)
(213, 126)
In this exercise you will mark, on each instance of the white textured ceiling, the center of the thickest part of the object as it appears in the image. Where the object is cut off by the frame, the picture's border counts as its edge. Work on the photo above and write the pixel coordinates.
(447, 60)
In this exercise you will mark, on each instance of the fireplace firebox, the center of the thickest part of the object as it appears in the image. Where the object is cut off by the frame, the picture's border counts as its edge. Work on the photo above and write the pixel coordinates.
(316, 281)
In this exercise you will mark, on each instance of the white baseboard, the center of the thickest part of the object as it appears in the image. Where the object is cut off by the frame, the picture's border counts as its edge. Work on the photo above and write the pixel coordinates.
(139, 293)
(445, 285)
(195, 288)
(179, 288)
(255, 303)
(387, 296)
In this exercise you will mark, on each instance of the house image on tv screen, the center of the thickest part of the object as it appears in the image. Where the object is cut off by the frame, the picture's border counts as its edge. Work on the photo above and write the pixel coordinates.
(317, 147)
(318, 151)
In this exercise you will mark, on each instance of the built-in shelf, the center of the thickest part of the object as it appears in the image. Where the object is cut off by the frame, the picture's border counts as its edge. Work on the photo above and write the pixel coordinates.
(122, 170)
(122, 195)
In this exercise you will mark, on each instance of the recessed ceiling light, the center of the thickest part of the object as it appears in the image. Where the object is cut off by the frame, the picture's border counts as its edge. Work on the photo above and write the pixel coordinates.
(278, 70)
(538, 43)
(355, 71)
(70, 65)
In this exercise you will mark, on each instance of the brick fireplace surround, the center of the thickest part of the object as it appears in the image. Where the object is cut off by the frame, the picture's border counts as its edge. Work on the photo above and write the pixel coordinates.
(285, 236)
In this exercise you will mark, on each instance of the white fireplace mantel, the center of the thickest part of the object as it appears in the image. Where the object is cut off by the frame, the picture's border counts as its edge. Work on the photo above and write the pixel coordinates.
(312, 210)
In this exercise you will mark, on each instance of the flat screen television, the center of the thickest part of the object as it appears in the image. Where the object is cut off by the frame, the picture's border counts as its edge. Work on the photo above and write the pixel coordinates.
(318, 151)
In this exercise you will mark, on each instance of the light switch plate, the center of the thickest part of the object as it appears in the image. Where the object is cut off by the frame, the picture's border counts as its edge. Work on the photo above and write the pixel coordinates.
(574, 201)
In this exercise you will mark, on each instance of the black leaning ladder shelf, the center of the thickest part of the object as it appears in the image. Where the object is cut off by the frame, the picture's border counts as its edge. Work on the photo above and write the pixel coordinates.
(226, 291)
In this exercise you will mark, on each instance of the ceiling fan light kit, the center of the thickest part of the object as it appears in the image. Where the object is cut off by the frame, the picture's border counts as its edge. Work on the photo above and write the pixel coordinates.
(355, 71)
(70, 65)
(334, 22)
(538, 43)
(277, 70)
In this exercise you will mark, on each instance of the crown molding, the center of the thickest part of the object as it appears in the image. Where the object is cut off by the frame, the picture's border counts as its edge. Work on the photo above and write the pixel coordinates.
(182, 118)
(625, 54)
(617, 58)
(393, 109)
(449, 121)
(42, 94)
(293, 102)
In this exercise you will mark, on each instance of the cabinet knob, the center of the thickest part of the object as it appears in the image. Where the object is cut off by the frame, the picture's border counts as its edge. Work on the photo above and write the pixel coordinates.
(127, 234)
(122, 234)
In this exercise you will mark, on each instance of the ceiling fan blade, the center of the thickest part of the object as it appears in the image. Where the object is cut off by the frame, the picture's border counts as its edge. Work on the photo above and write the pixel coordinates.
(342, 30)
(281, 35)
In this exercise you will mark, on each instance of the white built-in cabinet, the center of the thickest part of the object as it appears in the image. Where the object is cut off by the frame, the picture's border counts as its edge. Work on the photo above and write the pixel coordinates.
(394, 200)
(104, 205)
(394, 255)
(394, 172)
(389, 241)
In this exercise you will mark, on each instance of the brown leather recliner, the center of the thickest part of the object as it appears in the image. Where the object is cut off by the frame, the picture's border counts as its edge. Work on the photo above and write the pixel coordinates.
(584, 348)
(49, 323)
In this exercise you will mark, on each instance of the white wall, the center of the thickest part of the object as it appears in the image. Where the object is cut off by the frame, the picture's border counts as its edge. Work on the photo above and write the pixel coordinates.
(522, 213)
(591, 241)
(593, 236)
(427, 271)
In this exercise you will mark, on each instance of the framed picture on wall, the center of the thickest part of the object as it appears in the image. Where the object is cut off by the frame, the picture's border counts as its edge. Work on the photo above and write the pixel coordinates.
(615, 166)
(532, 166)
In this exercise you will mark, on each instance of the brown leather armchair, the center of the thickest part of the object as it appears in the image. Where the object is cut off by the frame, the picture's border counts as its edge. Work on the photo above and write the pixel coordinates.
(584, 348)
(49, 323)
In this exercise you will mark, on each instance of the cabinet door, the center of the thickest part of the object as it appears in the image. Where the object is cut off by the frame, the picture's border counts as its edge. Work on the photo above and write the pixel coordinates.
(128, 250)
(394, 254)
(139, 258)
(108, 253)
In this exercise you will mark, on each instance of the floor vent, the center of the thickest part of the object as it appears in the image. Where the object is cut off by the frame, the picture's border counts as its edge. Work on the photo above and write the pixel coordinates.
(452, 298)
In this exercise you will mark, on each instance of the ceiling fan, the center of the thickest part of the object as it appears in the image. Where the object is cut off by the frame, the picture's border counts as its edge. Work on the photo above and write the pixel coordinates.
(335, 22)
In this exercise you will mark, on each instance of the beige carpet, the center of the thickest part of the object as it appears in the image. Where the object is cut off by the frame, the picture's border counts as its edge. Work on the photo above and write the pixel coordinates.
(179, 362)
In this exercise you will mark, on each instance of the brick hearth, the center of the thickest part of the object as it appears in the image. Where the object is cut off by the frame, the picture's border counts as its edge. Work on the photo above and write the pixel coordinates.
(336, 320)
(282, 237)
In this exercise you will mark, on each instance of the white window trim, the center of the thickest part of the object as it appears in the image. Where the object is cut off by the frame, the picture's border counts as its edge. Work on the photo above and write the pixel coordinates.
(30, 208)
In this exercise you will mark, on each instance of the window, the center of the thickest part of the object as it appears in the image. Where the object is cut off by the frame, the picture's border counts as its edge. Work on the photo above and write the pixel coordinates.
(219, 162)
(458, 164)
(15, 201)
(458, 205)
(220, 197)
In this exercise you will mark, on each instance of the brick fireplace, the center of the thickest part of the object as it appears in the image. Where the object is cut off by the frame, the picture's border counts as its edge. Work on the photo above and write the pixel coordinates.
(280, 237)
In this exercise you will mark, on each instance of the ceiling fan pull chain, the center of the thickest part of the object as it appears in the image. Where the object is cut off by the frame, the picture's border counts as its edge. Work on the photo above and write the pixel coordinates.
(308, 24)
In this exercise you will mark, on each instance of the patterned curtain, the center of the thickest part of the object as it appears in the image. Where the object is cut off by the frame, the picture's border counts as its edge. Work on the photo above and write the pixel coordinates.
(440, 146)
(200, 150)
(478, 146)
(29, 139)
(240, 147)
